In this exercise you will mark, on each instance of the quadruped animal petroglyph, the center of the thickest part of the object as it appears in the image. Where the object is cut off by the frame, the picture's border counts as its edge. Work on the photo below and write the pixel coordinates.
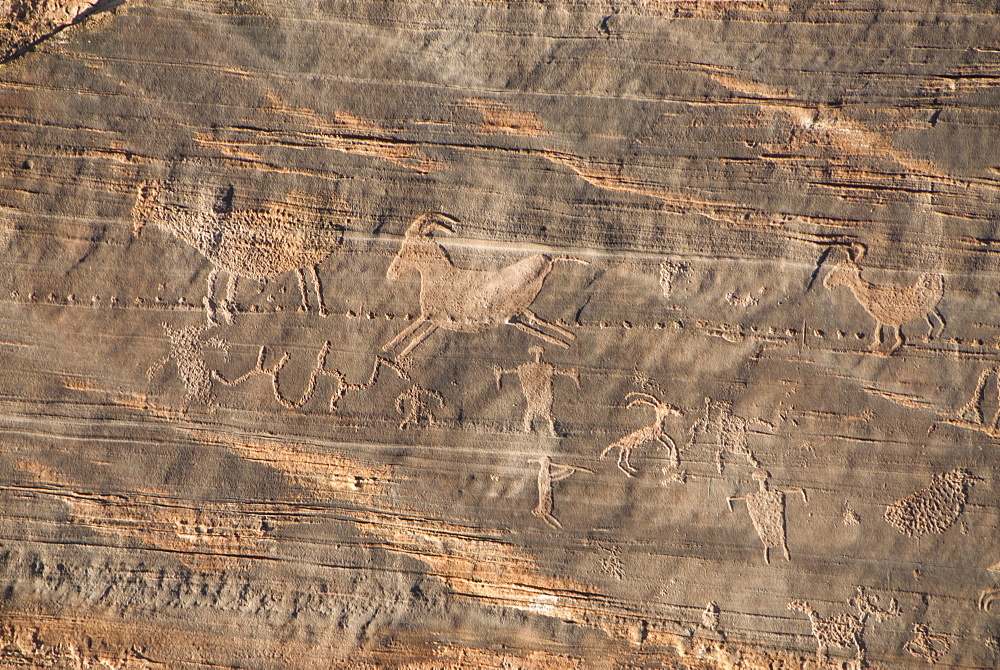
(254, 244)
(845, 630)
(654, 432)
(767, 513)
(926, 644)
(549, 473)
(419, 412)
(536, 378)
(469, 301)
(890, 306)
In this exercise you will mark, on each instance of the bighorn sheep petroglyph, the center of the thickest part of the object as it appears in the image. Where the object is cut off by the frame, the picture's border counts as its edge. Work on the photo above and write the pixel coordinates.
(655, 431)
(890, 306)
(469, 301)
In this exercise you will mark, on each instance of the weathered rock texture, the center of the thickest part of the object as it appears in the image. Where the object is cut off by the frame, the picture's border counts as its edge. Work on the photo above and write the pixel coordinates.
(499, 334)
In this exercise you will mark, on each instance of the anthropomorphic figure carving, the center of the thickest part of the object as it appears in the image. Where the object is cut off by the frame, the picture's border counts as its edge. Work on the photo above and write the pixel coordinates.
(767, 512)
(537, 379)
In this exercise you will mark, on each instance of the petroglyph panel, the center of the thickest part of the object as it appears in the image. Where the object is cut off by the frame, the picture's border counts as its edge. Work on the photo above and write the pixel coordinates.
(460, 334)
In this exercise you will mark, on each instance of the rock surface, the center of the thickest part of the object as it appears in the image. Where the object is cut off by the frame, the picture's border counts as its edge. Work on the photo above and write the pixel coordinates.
(499, 334)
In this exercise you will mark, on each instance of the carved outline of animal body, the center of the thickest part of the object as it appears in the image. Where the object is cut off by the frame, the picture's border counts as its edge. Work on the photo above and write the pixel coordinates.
(890, 306)
(845, 630)
(469, 301)
(232, 240)
(655, 431)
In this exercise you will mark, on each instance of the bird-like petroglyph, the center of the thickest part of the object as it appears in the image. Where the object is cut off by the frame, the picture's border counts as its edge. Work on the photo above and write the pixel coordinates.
(548, 474)
(767, 513)
(654, 432)
(187, 349)
(932, 509)
(846, 630)
(469, 301)
(537, 378)
(254, 244)
(731, 432)
(890, 306)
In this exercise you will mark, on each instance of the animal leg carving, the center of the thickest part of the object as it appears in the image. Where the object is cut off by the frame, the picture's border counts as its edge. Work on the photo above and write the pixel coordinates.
(417, 340)
(900, 340)
(319, 290)
(672, 451)
(535, 319)
(405, 333)
(210, 297)
(537, 333)
(229, 306)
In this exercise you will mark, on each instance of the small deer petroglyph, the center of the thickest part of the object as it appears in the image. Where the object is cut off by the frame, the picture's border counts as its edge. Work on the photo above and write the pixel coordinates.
(469, 301)
(927, 645)
(845, 630)
(549, 473)
(654, 432)
(255, 244)
(536, 379)
(731, 431)
(972, 412)
(342, 385)
(932, 509)
(767, 512)
(187, 351)
(419, 399)
(890, 306)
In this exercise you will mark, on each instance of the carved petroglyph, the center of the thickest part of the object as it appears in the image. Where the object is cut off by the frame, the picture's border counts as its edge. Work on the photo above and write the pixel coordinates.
(971, 414)
(933, 509)
(341, 385)
(654, 432)
(986, 598)
(537, 379)
(548, 474)
(469, 301)
(845, 631)
(255, 244)
(731, 431)
(890, 305)
(419, 400)
(927, 645)
(669, 272)
(187, 350)
(710, 617)
(851, 517)
(767, 512)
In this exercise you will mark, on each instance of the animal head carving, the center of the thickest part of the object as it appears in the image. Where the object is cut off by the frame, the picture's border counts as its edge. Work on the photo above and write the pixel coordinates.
(846, 270)
(144, 206)
(662, 408)
(417, 248)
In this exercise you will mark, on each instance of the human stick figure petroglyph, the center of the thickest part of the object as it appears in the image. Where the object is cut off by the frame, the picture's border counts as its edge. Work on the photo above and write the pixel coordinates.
(654, 432)
(731, 431)
(845, 630)
(469, 301)
(548, 473)
(419, 400)
(537, 379)
(187, 351)
(932, 509)
(767, 513)
(890, 306)
(927, 645)
(255, 244)
(342, 385)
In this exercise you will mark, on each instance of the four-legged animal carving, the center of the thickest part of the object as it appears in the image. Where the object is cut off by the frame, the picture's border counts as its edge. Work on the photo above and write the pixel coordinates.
(256, 244)
(890, 306)
(655, 431)
(469, 301)
(845, 630)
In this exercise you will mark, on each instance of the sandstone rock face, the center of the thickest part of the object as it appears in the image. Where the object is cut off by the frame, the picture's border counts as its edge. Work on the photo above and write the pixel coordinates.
(499, 334)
